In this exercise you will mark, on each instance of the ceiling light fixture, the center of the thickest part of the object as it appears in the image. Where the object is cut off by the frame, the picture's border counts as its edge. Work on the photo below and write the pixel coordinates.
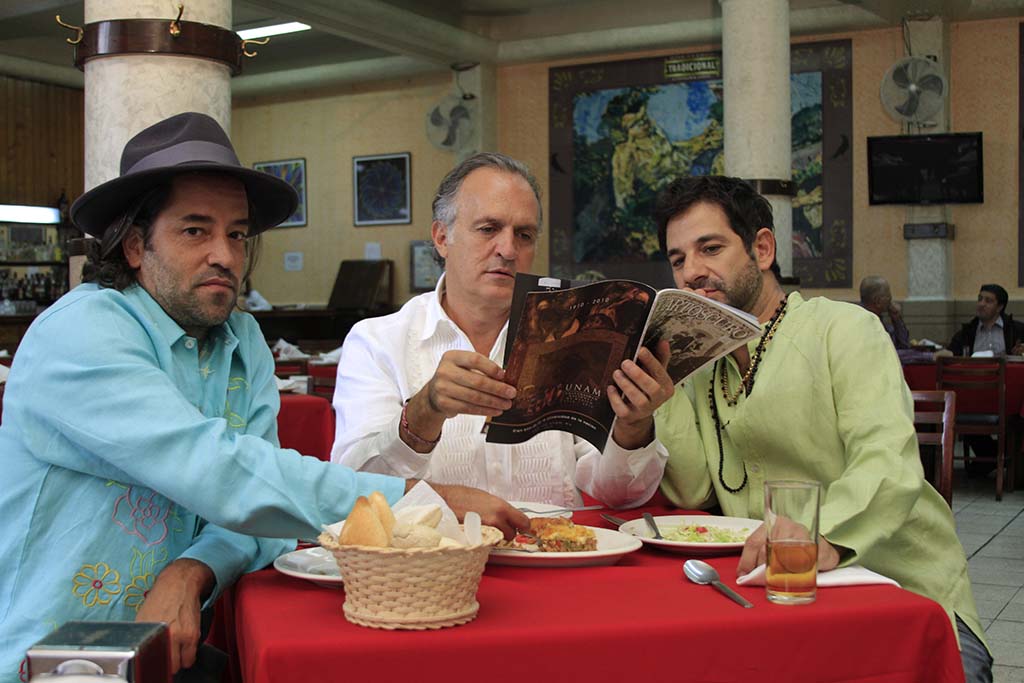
(274, 30)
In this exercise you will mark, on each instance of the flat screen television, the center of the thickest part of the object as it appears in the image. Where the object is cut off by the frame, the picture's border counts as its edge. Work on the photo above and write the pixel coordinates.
(925, 169)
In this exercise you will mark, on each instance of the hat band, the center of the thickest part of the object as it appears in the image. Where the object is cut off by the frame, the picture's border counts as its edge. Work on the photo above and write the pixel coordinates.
(189, 152)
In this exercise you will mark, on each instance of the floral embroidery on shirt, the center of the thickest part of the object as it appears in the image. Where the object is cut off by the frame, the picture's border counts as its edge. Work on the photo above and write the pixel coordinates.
(97, 584)
(235, 421)
(135, 592)
(143, 514)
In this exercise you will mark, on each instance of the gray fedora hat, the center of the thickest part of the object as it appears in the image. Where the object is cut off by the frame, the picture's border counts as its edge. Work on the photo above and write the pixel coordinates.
(180, 144)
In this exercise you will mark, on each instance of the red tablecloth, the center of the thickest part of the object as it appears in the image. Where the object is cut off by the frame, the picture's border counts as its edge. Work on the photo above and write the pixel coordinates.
(306, 423)
(921, 376)
(637, 620)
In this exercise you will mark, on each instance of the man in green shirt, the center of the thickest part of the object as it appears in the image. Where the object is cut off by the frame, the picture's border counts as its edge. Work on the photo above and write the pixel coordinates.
(820, 397)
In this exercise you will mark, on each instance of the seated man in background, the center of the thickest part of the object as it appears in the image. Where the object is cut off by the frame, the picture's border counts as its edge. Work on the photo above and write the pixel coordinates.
(993, 329)
(820, 397)
(414, 388)
(876, 296)
(139, 433)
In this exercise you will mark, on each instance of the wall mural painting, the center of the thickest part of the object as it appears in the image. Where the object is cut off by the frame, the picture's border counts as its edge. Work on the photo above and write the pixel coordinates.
(621, 131)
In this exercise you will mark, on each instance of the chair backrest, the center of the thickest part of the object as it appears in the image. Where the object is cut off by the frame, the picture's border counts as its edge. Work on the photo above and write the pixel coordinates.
(975, 380)
(286, 368)
(323, 386)
(934, 418)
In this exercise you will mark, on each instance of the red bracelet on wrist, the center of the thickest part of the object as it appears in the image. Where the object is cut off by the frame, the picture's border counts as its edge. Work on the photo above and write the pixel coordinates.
(416, 439)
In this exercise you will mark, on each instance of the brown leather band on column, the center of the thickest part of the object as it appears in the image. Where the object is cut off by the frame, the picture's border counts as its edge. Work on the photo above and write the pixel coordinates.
(155, 36)
(786, 188)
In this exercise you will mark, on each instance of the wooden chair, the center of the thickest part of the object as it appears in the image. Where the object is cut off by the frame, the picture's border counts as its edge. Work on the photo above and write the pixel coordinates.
(286, 368)
(934, 420)
(322, 386)
(975, 380)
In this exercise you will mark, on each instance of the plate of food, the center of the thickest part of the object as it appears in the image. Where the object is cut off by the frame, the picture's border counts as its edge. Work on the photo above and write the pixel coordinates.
(541, 509)
(695, 534)
(557, 542)
(312, 564)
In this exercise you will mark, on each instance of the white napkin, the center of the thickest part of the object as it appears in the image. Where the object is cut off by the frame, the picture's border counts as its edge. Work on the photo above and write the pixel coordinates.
(255, 302)
(983, 354)
(853, 575)
(4, 371)
(420, 495)
(296, 383)
(286, 351)
(328, 357)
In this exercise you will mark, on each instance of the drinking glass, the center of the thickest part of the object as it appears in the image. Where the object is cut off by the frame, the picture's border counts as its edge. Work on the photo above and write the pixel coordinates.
(791, 520)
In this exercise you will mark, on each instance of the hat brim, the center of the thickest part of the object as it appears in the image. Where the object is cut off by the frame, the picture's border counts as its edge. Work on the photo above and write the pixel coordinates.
(273, 199)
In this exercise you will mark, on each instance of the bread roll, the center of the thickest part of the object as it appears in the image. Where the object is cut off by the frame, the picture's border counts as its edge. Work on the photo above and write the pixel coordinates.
(384, 513)
(415, 536)
(363, 526)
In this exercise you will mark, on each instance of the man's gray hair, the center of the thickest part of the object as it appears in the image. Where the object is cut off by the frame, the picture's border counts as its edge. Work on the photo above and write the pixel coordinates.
(872, 288)
(448, 190)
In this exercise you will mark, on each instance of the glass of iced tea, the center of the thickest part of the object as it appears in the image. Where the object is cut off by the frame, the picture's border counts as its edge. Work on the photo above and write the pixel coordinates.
(791, 520)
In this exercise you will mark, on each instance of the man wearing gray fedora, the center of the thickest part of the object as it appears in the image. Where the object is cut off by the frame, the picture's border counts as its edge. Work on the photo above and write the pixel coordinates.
(143, 472)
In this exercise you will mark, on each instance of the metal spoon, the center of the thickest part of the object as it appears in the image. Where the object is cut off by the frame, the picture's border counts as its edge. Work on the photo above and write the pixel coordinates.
(651, 523)
(702, 572)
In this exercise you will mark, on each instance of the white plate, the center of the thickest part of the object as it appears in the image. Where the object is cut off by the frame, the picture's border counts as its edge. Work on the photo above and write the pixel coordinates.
(639, 528)
(543, 509)
(312, 564)
(611, 546)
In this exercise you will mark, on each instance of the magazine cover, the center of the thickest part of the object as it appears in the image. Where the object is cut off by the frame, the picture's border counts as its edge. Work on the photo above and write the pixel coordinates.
(699, 330)
(567, 345)
(564, 344)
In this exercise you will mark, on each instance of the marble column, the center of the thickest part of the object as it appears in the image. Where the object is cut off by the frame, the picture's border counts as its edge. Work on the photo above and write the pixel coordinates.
(755, 68)
(930, 260)
(481, 82)
(126, 93)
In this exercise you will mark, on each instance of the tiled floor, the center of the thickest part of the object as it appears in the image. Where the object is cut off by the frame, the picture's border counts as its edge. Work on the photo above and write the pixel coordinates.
(993, 537)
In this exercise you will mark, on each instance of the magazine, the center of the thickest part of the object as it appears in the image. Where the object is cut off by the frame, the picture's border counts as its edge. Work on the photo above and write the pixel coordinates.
(564, 342)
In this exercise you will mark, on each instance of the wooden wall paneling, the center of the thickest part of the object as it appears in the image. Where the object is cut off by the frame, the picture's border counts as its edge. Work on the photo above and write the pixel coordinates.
(42, 142)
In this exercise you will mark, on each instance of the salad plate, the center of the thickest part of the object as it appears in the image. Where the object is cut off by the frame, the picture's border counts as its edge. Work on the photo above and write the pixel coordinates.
(695, 534)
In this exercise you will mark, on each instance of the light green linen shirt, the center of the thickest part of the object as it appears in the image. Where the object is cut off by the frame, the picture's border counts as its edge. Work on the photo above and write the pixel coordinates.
(830, 404)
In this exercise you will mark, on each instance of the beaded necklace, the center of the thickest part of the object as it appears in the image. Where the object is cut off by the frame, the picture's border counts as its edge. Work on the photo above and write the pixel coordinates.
(747, 383)
(746, 386)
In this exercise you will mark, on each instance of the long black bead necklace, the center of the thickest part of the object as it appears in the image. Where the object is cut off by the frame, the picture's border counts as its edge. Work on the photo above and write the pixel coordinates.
(746, 386)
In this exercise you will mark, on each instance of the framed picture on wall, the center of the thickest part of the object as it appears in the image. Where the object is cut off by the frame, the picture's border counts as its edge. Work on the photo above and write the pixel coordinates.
(293, 172)
(424, 271)
(380, 188)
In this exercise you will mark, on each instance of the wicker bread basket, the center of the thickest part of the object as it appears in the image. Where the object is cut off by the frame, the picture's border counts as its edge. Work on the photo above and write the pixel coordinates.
(411, 588)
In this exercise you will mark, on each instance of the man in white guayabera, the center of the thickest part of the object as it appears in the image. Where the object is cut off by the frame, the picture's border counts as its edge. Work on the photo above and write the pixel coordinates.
(414, 388)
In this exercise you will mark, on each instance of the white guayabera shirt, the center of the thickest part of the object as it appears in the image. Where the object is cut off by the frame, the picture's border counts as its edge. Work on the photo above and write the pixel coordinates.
(386, 360)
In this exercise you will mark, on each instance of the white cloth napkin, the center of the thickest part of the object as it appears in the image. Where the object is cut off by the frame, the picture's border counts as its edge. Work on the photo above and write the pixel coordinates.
(328, 357)
(287, 351)
(296, 383)
(853, 575)
(419, 496)
(255, 302)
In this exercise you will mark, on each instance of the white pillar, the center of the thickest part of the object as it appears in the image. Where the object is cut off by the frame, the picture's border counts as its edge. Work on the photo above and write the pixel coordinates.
(755, 69)
(481, 81)
(930, 260)
(126, 93)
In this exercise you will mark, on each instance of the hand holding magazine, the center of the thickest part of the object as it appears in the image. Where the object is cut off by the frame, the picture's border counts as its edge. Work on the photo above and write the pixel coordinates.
(565, 342)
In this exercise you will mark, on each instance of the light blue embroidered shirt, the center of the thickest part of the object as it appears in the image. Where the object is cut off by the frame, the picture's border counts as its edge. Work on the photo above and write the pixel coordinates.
(125, 445)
